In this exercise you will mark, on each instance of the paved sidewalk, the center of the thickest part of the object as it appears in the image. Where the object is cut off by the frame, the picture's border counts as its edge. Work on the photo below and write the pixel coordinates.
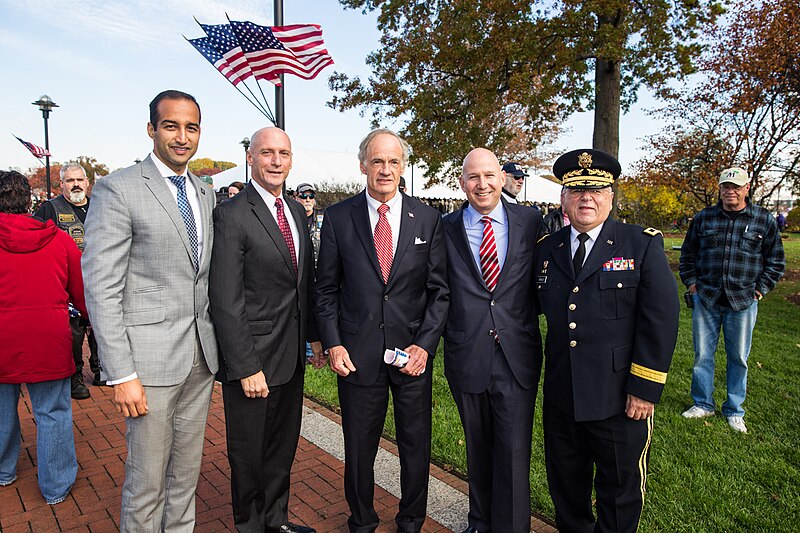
(317, 495)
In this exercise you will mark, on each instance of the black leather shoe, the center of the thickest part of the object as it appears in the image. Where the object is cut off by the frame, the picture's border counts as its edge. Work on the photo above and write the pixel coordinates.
(294, 528)
(470, 529)
(79, 391)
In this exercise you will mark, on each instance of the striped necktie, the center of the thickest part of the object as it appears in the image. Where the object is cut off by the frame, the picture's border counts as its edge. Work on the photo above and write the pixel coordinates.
(383, 242)
(188, 217)
(490, 264)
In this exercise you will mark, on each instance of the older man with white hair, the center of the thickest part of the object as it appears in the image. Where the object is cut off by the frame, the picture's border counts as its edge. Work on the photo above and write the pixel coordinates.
(68, 212)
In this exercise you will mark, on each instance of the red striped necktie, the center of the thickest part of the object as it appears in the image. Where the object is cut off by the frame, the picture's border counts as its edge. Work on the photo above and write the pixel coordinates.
(490, 264)
(383, 242)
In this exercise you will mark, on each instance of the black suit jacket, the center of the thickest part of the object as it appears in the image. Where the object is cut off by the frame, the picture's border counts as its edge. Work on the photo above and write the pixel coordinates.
(475, 311)
(356, 309)
(609, 332)
(262, 311)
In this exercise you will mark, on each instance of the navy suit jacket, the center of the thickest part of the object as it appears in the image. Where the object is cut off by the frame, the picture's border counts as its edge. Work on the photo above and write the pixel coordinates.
(357, 310)
(475, 312)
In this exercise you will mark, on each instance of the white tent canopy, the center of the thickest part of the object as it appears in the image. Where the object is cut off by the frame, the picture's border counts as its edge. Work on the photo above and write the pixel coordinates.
(315, 166)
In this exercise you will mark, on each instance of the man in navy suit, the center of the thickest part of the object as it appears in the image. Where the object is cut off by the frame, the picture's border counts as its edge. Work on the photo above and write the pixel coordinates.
(382, 284)
(493, 349)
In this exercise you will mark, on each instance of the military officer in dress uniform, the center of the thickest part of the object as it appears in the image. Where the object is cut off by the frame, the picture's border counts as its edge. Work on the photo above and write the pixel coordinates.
(611, 304)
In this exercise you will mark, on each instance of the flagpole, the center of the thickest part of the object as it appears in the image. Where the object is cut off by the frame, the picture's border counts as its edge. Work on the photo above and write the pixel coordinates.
(280, 116)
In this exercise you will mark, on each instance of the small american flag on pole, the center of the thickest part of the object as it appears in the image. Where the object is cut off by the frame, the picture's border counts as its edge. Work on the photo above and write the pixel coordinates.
(295, 49)
(37, 151)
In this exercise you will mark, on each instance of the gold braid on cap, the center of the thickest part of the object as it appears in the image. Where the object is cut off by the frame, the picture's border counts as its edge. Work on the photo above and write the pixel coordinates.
(586, 171)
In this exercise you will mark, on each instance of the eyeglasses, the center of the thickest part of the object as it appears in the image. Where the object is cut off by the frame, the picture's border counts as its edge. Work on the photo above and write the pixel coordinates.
(577, 192)
(307, 195)
(519, 178)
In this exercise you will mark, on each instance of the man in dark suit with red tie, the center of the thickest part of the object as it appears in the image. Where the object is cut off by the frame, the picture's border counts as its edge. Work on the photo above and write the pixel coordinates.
(493, 349)
(382, 284)
(262, 271)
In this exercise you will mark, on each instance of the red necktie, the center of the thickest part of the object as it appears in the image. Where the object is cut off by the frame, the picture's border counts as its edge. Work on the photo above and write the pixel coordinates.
(383, 242)
(490, 265)
(283, 224)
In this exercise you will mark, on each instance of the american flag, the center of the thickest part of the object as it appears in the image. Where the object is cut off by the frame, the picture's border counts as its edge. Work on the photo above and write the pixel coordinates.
(207, 50)
(223, 40)
(37, 151)
(296, 49)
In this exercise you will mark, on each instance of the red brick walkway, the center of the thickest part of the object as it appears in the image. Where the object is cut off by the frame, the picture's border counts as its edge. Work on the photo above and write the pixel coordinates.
(317, 497)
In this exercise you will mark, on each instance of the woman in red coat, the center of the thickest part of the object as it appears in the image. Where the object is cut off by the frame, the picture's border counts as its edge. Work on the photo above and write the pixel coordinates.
(39, 275)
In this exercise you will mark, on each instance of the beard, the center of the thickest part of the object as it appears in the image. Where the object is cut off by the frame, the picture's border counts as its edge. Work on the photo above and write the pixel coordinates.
(77, 197)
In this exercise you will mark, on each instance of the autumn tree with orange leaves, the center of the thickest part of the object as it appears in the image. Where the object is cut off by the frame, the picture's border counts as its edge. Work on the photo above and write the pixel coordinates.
(745, 113)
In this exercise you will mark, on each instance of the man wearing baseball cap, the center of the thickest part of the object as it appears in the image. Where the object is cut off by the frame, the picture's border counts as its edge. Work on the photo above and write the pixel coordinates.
(515, 177)
(732, 257)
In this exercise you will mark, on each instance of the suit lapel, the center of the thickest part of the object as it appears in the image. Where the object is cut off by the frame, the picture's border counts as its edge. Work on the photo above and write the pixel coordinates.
(514, 239)
(362, 226)
(461, 243)
(299, 216)
(562, 255)
(155, 182)
(602, 249)
(408, 224)
(264, 216)
(201, 189)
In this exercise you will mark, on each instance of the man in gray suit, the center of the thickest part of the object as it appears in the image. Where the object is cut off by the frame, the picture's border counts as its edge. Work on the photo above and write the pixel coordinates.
(145, 265)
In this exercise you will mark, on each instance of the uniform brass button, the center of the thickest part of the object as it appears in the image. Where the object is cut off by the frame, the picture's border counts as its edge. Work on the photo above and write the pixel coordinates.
(573, 344)
(572, 307)
(575, 289)
(573, 325)
(619, 285)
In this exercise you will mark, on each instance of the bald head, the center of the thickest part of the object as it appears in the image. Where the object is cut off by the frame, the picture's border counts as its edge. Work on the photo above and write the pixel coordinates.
(482, 180)
(270, 155)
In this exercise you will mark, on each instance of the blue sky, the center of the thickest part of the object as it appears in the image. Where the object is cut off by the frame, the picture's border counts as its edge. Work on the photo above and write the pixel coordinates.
(103, 61)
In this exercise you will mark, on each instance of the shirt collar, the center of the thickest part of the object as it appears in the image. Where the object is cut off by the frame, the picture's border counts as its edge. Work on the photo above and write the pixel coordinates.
(498, 215)
(267, 196)
(394, 204)
(748, 208)
(593, 233)
(164, 170)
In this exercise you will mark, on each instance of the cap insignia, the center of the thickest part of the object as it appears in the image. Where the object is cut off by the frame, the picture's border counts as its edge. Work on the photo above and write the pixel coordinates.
(585, 160)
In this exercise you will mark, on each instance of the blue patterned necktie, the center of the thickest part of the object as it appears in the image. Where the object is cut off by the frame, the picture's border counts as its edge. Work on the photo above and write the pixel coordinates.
(188, 216)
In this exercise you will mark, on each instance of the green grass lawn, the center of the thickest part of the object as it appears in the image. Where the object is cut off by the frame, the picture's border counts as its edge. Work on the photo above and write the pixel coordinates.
(703, 476)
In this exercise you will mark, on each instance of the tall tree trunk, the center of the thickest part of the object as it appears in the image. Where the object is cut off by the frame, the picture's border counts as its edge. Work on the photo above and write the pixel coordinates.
(607, 90)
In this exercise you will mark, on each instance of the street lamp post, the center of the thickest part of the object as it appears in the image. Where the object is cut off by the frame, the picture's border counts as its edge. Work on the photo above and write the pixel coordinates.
(46, 105)
(246, 143)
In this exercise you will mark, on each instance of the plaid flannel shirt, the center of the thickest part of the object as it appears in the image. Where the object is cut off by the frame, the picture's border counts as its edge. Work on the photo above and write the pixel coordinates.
(739, 255)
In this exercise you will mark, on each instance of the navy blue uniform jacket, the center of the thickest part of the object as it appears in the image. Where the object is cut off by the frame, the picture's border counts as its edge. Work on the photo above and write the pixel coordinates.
(609, 332)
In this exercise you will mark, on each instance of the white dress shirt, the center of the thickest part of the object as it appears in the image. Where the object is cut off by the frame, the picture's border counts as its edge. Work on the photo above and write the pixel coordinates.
(191, 195)
(574, 242)
(393, 215)
(269, 199)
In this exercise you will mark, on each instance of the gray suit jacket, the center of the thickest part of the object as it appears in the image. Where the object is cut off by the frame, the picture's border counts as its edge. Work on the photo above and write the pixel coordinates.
(146, 301)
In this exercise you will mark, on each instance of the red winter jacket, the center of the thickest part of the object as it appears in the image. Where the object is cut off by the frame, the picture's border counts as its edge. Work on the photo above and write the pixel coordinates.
(40, 273)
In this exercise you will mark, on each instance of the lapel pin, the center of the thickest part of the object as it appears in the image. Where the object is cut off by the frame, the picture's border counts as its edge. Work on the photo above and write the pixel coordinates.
(411, 215)
(561, 245)
(610, 242)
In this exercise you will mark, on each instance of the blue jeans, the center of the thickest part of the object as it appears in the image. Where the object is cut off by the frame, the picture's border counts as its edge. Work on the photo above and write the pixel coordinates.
(55, 441)
(737, 329)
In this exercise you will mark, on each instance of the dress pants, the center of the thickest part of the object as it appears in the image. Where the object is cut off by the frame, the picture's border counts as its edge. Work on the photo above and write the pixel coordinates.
(363, 414)
(78, 333)
(262, 436)
(165, 450)
(498, 423)
(619, 447)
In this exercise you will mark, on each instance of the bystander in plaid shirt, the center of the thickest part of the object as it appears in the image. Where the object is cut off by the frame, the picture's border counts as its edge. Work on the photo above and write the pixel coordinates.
(740, 255)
